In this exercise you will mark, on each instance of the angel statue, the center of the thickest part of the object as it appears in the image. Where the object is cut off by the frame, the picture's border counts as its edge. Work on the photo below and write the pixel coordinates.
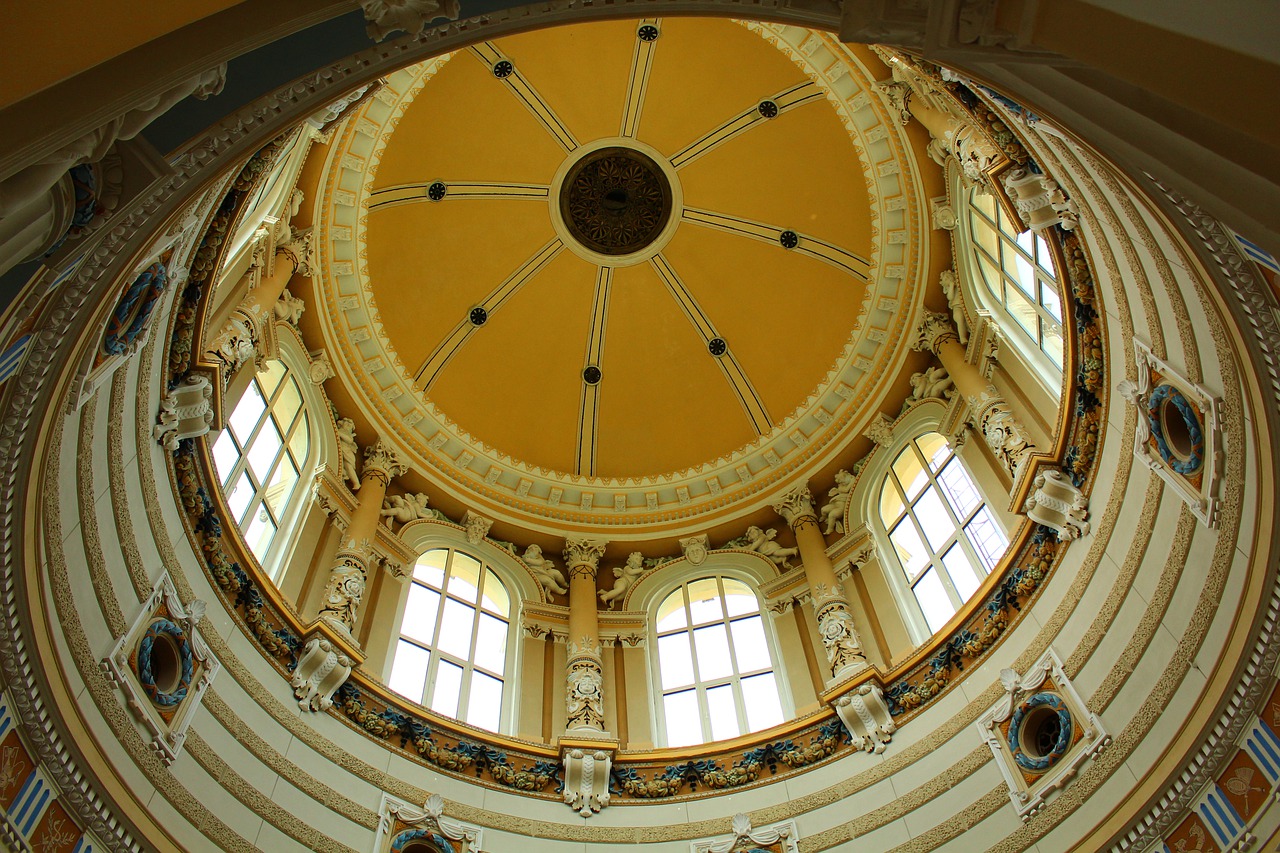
(626, 576)
(761, 541)
(544, 569)
(347, 451)
(405, 508)
(833, 510)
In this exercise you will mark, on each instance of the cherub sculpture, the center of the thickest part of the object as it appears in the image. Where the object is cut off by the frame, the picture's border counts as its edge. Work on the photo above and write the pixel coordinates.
(544, 569)
(347, 451)
(626, 575)
(761, 541)
(832, 511)
(934, 382)
(405, 508)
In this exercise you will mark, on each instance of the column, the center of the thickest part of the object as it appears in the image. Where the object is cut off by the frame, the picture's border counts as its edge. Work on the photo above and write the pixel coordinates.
(583, 665)
(992, 415)
(835, 624)
(241, 336)
(356, 556)
(586, 750)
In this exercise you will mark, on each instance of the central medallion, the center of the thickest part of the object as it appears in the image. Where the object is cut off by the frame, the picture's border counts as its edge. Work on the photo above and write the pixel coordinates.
(615, 201)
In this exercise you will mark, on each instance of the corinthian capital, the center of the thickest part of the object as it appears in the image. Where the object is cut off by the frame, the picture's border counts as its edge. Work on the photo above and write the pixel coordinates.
(796, 507)
(583, 555)
(934, 330)
(382, 461)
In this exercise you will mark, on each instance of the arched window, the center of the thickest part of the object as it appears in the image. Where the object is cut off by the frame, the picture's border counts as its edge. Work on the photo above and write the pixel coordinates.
(261, 455)
(714, 663)
(1017, 270)
(945, 538)
(453, 650)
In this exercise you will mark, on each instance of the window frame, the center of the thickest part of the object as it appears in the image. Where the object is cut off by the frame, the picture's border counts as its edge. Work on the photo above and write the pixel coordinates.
(924, 418)
(974, 284)
(278, 551)
(426, 535)
(720, 566)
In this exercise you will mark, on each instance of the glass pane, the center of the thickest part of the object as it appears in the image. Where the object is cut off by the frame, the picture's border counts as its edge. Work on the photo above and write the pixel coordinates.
(1052, 346)
(263, 451)
(704, 601)
(749, 645)
(287, 404)
(671, 614)
(675, 660)
(760, 696)
(934, 519)
(247, 411)
(409, 672)
(934, 601)
(891, 505)
(445, 689)
(684, 723)
(464, 576)
(430, 568)
(455, 628)
(1027, 242)
(934, 448)
(491, 643)
(739, 600)
(983, 234)
(991, 276)
(260, 533)
(420, 614)
(281, 487)
(911, 552)
(987, 538)
(910, 472)
(225, 456)
(711, 645)
(963, 576)
(484, 703)
(1024, 275)
(960, 490)
(272, 372)
(1044, 256)
(724, 712)
(239, 496)
(1049, 298)
(495, 596)
(1022, 311)
(300, 441)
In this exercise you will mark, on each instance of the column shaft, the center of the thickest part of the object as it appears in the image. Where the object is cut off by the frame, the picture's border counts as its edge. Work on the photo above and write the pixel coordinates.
(584, 668)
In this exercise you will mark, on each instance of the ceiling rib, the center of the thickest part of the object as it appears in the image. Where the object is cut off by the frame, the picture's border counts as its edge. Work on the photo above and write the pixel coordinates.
(752, 405)
(787, 99)
(842, 259)
(589, 410)
(435, 363)
(638, 80)
(489, 54)
(414, 193)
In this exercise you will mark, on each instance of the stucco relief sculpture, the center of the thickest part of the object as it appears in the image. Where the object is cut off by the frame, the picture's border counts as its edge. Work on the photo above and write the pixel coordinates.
(584, 701)
(933, 383)
(384, 17)
(780, 837)
(762, 542)
(235, 345)
(626, 575)
(345, 589)
(346, 429)
(321, 670)
(586, 780)
(406, 508)
(880, 430)
(832, 512)
(839, 636)
(1005, 435)
(955, 301)
(865, 714)
(695, 548)
(476, 527)
(25, 187)
(289, 308)
(544, 569)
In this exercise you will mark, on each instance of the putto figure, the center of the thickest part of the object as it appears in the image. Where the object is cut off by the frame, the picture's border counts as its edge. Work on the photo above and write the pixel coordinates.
(544, 569)
(626, 575)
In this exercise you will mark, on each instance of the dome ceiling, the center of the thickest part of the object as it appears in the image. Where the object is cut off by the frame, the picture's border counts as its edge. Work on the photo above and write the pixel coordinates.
(619, 254)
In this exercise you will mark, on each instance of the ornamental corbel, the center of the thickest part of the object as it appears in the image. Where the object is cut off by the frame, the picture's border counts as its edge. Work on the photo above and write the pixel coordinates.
(186, 411)
(1056, 503)
(865, 714)
(586, 775)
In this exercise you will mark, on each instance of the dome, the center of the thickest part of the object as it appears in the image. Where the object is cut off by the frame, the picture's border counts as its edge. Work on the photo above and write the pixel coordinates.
(621, 426)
